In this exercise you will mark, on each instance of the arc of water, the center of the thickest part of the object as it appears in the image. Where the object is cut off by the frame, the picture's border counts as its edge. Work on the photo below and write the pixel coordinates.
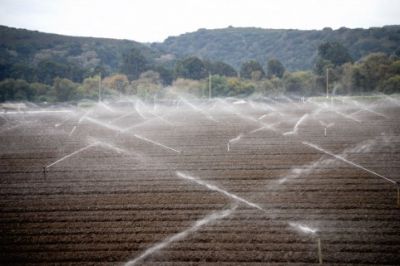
(106, 107)
(215, 188)
(102, 124)
(207, 115)
(266, 127)
(303, 228)
(121, 117)
(364, 108)
(348, 161)
(72, 131)
(236, 138)
(179, 236)
(156, 143)
(335, 111)
(324, 124)
(71, 154)
(296, 126)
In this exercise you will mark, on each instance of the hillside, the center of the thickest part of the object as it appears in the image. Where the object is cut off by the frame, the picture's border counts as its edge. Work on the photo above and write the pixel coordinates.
(40, 57)
(27, 54)
(296, 49)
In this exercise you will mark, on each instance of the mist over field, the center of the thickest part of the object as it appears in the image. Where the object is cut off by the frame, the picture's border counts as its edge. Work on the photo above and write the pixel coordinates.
(278, 180)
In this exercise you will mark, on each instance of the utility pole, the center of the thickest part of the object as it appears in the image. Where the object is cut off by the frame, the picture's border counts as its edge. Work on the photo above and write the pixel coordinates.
(100, 87)
(327, 82)
(209, 85)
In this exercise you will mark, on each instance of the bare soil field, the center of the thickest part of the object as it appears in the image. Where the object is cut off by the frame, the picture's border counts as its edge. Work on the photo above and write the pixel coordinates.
(220, 182)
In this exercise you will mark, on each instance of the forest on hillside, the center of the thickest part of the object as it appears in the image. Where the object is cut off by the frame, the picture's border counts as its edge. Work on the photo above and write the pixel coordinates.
(237, 62)
(296, 49)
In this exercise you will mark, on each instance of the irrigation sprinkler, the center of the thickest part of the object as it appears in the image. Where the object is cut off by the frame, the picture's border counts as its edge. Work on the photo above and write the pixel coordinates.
(327, 82)
(319, 250)
(313, 232)
(326, 126)
(44, 171)
(233, 141)
(99, 87)
(209, 86)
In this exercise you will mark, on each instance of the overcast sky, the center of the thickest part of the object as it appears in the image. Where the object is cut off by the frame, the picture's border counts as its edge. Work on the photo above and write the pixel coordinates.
(155, 20)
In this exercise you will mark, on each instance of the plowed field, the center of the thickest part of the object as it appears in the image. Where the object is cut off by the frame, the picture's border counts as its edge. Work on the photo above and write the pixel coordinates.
(224, 182)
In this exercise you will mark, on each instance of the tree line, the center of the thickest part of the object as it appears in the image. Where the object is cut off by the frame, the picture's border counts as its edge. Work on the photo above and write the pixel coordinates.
(376, 72)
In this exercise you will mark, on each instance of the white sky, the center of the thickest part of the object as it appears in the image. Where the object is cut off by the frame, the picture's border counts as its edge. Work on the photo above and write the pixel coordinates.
(155, 20)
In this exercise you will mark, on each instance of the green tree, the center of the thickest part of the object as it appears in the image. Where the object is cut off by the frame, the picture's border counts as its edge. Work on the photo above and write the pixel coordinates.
(134, 63)
(219, 86)
(370, 72)
(275, 68)
(191, 68)
(166, 75)
(48, 70)
(238, 87)
(299, 83)
(23, 71)
(220, 68)
(331, 54)
(391, 85)
(334, 52)
(252, 70)
(272, 86)
(43, 92)
(89, 88)
(15, 90)
(65, 89)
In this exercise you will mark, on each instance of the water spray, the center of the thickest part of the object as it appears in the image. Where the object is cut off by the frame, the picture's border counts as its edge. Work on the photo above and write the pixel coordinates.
(72, 131)
(326, 126)
(68, 156)
(398, 194)
(296, 126)
(156, 143)
(319, 250)
(261, 117)
(179, 236)
(102, 124)
(358, 166)
(313, 233)
(215, 188)
(348, 162)
(207, 115)
(233, 141)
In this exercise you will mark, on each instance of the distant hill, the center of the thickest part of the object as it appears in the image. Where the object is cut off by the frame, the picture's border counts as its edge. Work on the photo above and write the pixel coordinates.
(296, 49)
(24, 52)
(36, 56)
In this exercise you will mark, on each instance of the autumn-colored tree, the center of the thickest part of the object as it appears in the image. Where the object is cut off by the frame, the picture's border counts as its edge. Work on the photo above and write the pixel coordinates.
(118, 82)
(148, 85)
